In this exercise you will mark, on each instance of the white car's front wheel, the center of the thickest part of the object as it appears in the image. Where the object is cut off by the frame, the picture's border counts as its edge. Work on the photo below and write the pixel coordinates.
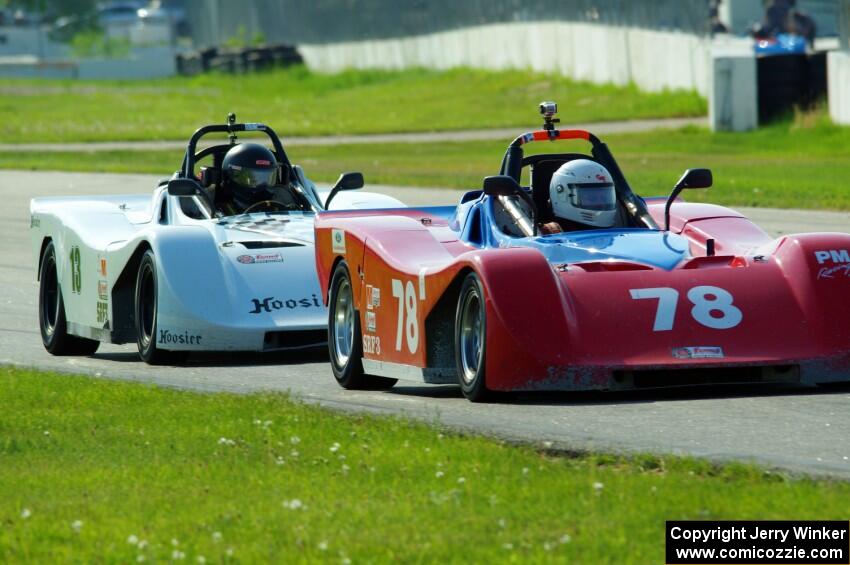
(146, 310)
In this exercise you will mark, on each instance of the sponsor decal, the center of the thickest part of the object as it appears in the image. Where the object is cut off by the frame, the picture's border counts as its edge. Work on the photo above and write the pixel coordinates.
(699, 352)
(102, 311)
(76, 271)
(338, 241)
(260, 258)
(373, 297)
(371, 322)
(372, 344)
(35, 222)
(101, 266)
(600, 178)
(832, 255)
(185, 338)
(264, 162)
(102, 290)
(270, 303)
(833, 272)
(268, 258)
(839, 263)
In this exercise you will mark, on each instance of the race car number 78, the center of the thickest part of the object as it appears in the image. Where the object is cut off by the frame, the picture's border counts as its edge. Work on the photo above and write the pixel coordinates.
(406, 296)
(706, 300)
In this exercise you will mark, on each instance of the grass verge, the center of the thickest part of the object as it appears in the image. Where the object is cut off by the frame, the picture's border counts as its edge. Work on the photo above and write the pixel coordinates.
(783, 166)
(297, 102)
(102, 471)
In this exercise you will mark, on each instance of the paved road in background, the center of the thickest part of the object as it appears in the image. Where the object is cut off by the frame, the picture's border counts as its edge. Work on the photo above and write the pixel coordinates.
(806, 430)
(502, 134)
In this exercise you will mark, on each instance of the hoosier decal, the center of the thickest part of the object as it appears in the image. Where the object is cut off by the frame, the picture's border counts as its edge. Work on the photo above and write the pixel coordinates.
(271, 303)
(168, 337)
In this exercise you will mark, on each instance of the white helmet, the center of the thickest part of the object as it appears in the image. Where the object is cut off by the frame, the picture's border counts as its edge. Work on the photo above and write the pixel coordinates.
(583, 191)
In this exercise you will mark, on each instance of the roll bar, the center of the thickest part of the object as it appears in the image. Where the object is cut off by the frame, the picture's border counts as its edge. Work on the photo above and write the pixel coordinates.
(231, 128)
(512, 165)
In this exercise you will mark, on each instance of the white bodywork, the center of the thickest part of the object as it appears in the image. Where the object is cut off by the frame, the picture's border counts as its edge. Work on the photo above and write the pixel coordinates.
(240, 283)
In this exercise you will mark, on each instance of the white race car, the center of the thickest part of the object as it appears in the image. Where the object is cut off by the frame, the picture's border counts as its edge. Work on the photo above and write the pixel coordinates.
(174, 274)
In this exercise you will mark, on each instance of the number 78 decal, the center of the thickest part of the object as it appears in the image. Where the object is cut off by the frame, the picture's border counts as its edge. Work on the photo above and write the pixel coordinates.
(668, 298)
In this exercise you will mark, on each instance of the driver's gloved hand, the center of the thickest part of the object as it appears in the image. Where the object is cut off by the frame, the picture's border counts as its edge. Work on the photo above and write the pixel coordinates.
(550, 227)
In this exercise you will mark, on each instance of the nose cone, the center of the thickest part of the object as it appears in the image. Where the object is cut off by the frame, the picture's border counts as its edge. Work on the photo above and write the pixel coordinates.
(270, 270)
(275, 284)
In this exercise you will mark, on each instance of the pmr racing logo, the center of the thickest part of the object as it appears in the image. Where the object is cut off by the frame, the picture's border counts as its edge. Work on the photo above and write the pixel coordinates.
(836, 263)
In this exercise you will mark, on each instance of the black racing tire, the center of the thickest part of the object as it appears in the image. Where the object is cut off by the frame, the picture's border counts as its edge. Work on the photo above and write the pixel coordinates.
(51, 313)
(345, 342)
(471, 340)
(146, 309)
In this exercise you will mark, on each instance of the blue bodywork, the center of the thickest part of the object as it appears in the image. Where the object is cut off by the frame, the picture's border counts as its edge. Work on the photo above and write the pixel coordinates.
(474, 220)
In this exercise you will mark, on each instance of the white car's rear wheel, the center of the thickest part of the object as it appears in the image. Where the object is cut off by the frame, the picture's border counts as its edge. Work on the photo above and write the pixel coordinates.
(51, 312)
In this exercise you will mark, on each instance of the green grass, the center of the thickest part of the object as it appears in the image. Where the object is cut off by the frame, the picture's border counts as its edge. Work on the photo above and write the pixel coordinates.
(787, 165)
(88, 466)
(297, 102)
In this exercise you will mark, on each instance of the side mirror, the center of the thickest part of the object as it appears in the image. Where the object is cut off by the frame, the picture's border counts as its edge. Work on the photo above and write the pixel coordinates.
(346, 181)
(696, 178)
(693, 178)
(183, 187)
(501, 185)
(189, 187)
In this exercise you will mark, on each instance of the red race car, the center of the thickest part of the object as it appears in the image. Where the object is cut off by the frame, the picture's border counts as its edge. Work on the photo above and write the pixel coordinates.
(577, 283)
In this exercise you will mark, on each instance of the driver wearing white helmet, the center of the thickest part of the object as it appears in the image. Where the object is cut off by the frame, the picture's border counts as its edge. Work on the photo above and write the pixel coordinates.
(583, 196)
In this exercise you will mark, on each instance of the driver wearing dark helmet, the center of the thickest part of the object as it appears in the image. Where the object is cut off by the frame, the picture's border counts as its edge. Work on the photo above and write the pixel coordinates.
(250, 182)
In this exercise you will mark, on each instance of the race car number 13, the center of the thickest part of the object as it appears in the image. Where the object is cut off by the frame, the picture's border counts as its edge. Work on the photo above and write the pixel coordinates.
(713, 306)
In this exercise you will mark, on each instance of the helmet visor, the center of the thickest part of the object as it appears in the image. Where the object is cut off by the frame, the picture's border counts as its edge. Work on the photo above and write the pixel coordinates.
(254, 177)
(596, 196)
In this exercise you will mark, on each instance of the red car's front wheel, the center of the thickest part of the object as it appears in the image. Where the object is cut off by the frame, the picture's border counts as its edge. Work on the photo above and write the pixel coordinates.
(345, 342)
(471, 339)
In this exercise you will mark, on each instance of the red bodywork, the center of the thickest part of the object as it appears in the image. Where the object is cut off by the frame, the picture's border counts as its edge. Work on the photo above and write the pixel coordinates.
(586, 325)
(580, 328)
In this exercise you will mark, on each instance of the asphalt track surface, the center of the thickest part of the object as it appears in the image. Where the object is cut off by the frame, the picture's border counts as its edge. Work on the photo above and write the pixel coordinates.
(500, 134)
(795, 429)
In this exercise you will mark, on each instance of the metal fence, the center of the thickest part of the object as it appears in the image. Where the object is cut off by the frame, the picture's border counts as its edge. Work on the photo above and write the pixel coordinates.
(332, 21)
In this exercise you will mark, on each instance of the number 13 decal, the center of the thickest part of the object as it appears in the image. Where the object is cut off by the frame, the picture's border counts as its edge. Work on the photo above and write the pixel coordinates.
(706, 300)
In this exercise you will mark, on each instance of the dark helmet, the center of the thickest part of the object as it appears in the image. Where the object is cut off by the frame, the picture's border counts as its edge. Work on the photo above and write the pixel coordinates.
(250, 171)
